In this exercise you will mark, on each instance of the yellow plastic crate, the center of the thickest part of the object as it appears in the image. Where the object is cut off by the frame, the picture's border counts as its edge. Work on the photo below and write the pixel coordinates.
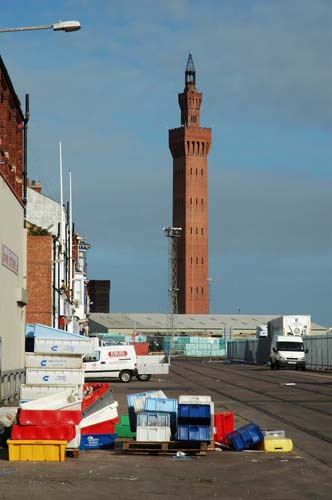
(36, 451)
(271, 444)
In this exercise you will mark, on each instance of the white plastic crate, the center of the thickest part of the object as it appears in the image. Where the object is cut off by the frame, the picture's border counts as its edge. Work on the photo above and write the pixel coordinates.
(35, 391)
(139, 403)
(188, 399)
(156, 434)
(54, 377)
(76, 441)
(58, 401)
(53, 361)
(108, 413)
(63, 346)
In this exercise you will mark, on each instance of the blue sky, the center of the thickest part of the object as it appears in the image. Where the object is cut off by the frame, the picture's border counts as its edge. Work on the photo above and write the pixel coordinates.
(109, 93)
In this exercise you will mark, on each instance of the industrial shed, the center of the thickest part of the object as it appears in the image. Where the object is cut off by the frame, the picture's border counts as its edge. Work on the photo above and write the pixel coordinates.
(226, 325)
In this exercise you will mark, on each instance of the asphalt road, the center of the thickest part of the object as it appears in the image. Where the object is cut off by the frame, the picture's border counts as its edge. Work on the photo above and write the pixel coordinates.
(297, 402)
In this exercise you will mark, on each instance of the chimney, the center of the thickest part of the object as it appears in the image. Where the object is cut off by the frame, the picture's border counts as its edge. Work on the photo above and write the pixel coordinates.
(35, 185)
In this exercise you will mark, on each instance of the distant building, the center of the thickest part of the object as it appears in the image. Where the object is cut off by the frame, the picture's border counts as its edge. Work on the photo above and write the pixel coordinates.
(227, 326)
(190, 145)
(57, 291)
(99, 294)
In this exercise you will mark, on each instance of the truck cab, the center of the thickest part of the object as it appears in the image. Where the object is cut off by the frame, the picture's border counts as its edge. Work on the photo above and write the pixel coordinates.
(287, 352)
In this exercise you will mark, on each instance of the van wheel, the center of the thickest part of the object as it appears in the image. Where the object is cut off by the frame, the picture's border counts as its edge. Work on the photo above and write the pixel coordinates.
(277, 365)
(125, 376)
(303, 368)
(143, 378)
(271, 365)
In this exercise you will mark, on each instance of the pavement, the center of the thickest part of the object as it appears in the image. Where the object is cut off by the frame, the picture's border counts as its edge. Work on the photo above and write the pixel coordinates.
(103, 474)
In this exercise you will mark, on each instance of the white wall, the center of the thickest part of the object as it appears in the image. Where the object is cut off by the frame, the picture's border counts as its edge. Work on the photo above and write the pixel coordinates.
(12, 316)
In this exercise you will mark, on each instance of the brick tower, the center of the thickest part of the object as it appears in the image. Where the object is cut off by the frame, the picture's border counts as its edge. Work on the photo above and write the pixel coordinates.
(189, 146)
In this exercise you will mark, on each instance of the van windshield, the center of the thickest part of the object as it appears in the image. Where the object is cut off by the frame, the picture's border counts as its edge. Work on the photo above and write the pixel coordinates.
(290, 346)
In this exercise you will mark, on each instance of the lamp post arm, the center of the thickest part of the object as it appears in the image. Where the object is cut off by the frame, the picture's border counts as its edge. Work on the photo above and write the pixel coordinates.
(28, 28)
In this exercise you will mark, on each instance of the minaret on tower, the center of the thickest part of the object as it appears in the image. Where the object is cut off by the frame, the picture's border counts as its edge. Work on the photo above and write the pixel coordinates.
(189, 146)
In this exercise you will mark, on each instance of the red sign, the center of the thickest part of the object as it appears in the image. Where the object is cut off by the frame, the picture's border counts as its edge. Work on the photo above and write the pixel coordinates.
(117, 354)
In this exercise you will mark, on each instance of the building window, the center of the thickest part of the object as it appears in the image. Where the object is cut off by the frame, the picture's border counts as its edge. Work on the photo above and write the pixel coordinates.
(191, 290)
(191, 171)
(202, 231)
(196, 260)
(191, 260)
(196, 201)
(202, 290)
(196, 171)
(191, 230)
(196, 230)
(202, 202)
(191, 201)
(202, 260)
(201, 171)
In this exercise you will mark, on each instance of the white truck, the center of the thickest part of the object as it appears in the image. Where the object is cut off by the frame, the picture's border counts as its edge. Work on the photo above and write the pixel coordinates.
(286, 336)
(121, 361)
(290, 325)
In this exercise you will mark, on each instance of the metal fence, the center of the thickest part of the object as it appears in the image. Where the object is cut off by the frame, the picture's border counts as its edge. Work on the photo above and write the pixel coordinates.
(319, 356)
(10, 383)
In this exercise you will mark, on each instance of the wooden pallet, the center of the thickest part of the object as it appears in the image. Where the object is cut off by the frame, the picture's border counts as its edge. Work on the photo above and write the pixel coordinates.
(165, 448)
(73, 452)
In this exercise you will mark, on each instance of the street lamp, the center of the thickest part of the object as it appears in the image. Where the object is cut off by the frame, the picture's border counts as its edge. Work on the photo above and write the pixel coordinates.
(66, 26)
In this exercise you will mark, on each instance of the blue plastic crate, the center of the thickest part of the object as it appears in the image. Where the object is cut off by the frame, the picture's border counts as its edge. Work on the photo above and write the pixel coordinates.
(194, 411)
(154, 419)
(162, 405)
(245, 437)
(194, 433)
(131, 397)
(97, 441)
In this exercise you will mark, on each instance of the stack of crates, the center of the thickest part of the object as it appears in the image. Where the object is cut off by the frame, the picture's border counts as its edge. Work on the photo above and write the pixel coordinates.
(123, 429)
(153, 416)
(195, 418)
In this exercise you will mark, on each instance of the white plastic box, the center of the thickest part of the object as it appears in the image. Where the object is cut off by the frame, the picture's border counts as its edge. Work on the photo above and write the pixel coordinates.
(107, 413)
(35, 391)
(156, 434)
(188, 399)
(76, 441)
(54, 377)
(58, 401)
(63, 346)
(53, 361)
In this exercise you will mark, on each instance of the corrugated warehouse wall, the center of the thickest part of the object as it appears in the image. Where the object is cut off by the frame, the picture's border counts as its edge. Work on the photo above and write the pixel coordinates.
(258, 351)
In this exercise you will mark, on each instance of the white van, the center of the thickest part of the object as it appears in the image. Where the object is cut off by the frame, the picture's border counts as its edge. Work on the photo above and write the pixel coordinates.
(120, 361)
(287, 351)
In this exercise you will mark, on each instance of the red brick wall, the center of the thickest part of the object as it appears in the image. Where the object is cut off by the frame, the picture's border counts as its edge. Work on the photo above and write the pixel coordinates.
(39, 279)
(11, 134)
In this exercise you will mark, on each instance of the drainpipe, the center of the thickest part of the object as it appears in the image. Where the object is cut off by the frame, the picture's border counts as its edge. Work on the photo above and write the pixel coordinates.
(25, 155)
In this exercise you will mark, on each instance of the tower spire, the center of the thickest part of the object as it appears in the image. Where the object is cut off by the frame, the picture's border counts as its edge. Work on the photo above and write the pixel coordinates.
(190, 73)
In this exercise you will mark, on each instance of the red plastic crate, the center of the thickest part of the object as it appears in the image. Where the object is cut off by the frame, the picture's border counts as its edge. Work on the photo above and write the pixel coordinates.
(49, 417)
(98, 390)
(107, 427)
(223, 424)
(43, 432)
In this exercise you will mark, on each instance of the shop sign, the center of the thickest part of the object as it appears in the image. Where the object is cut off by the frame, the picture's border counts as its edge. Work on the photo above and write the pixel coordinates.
(9, 259)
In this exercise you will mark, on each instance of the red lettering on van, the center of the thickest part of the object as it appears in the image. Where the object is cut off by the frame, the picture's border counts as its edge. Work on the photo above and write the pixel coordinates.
(117, 354)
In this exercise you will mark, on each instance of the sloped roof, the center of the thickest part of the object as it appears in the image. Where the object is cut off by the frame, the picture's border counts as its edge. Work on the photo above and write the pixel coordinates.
(184, 321)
